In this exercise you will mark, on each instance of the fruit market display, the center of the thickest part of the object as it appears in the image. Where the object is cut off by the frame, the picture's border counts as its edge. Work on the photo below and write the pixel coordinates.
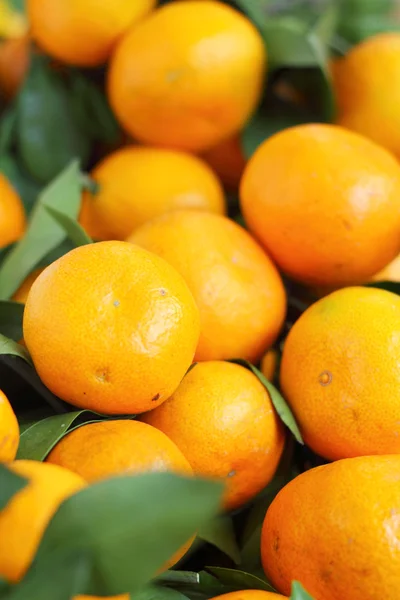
(199, 299)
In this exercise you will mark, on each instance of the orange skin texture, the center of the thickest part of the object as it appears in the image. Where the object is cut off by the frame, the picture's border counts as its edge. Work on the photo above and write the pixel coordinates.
(368, 97)
(12, 214)
(335, 529)
(83, 32)
(222, 419)
(9, 430)
(228, 161)
(340, 374)
(389, 273)
(100, 450)
(269, 364)
(188, 76)
(237, 288)
(14, 63)
(324, 203)
(22, 292)
(250, 595)
(139, 183)
(131, 332)
(26, 516)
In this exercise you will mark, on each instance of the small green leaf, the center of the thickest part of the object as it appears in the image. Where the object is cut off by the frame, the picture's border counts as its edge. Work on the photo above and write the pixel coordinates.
(220, 533)
(72, 228)
(148, 517)
(299, 593)
(280, 405)
(10, 484)
(43, 234)
(389, 286)
(11, 348)
(11, 314)
(240, 579)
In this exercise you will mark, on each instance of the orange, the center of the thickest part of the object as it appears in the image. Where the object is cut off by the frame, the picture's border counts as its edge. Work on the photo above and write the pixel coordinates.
(111, 327)
(346, 392)
(389, 273)
(138, 183)
(83, 32)
(324, 203)
(188, 76)
(99, 450)
(335, 529)
(222, 418)
(12, 214)
(249, 595)
(26, 516)
(9, 430)
(14, 63)
(368, 97)
(237, 288)
(269, 364)
(22, 292)
(228, 161)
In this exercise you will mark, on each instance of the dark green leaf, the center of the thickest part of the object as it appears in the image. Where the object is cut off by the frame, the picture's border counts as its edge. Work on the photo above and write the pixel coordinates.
(240, 579)
(43, 234)
(152, 592)
(389, 286)
(299, 593)
(48, 137)
(72, 228)
(220, 533)
(148, 517)
(11, 314)
(10, 484)
(197, 586)
(7, 129)
(280, 405)
(11, 348)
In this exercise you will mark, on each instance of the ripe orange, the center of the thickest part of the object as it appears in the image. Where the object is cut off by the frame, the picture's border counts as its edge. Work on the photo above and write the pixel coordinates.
(22, 292)
(228, 161)
(188, 76)
(324, 203)
(83, 32)
(106, 448)
(237, 288)
(111, 327)
(335, 529)
(249, 595)
(269, 364)
(368, 98)
(12, 214)
(9, 430)
(14, 63)
(389, 273)
(138, 183)
(222, 419)
(346, 395)
(25, 518)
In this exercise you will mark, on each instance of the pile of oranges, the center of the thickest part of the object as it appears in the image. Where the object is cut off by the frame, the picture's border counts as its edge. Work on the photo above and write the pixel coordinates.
(142, 325)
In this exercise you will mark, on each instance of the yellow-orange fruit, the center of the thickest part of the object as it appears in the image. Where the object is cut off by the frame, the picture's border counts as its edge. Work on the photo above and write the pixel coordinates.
(269, 364)
(250, 595)
(22, 292)
(389, 273)
(228, 161)
(12, 214)
(9, 430)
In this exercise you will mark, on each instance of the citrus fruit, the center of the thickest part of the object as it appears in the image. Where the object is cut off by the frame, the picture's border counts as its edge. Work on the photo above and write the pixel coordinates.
(12, 214)
(249, 595)
(14, 63)
(335, 529)
(236, 286)
(22, 292)
(389, 273)
(324, 203)
(269, 364)
(346, 395)
(368, 98)
(228, 161)
(131, 331)
(106, 448)
(222, 419)
(83, 32)
(25, 517)
(188, 76)
(9, 430)
(138, 183)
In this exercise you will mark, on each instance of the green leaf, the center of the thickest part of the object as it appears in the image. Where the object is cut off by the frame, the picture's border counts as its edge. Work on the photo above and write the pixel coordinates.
(152, 592)
(7, 129)
(11, 314)
(43, 234)
(27, 188)
(11, 348)
(10, 484)
(299, 593)
(389, 286)
(220, 533)
(72, 228)
(48, 137)
(240, 579)
(197, 586)
(148, 517)
(280, 405)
